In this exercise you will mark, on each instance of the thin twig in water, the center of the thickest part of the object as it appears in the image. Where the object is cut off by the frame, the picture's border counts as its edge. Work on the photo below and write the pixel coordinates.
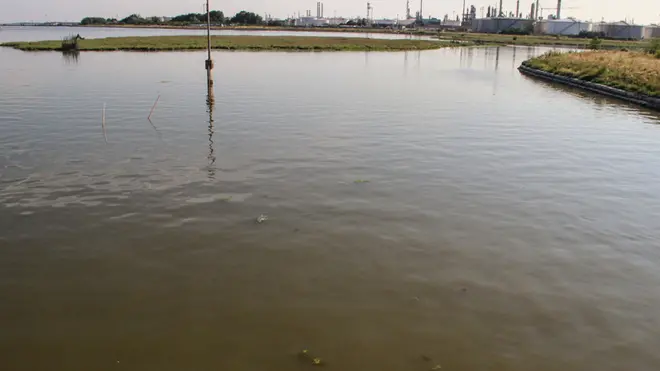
(160, 135)
(153, 108)
(105, 136)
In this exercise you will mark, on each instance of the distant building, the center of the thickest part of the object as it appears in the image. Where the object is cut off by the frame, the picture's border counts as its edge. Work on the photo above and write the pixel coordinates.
(566, 27)
(405, 23)
(620, 30)
(312, 22)
(652, 31)
(563, 27)
(450, 23)
(384, 23)
(337, 21)
(501, 24)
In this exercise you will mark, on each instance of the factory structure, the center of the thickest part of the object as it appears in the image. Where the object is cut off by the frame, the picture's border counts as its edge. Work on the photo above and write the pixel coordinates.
(495, 18)
(319, 20)
(500, 20)
(409, 20)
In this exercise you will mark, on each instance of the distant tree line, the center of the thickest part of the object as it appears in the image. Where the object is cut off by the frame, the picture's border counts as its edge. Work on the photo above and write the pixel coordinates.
(217, 18)
(96, 20)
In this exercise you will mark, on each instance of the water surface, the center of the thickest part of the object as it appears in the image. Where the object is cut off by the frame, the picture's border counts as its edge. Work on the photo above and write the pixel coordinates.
(39, 33)
(424, 208)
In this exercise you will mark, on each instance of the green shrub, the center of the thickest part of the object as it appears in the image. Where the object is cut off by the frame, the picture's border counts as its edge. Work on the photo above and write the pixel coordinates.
(595, 43)
(514, 31)
(654, 46)
(591, 35)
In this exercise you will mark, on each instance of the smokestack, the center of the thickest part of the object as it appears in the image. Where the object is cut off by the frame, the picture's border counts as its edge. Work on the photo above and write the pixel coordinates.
(558, 9)
(421, 9)
(531, 14)
(500, 13)
(536, 10)
(322, 15)
(517, 8)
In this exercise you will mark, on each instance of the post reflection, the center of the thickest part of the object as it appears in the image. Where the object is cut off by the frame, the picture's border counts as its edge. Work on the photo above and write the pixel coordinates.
(497, 65)
(210, 104)
(466, 57)
(405, 60)
(71, 57)
(515, 49)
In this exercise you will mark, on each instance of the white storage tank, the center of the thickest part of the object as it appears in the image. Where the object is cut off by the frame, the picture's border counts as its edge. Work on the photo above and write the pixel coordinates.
(624, 30)
(600, 27)
(497, 25)
(384, 23)
(311, 22)
(652, 32)
(565, 27)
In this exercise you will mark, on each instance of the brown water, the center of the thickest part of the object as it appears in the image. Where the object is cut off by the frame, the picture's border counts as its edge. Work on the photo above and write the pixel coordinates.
(424, 208)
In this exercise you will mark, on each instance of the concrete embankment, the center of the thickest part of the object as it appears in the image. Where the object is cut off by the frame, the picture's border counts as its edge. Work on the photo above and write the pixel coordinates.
(636, 98)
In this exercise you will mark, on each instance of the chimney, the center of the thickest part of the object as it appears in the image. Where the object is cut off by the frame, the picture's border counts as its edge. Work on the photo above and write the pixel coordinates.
(322, 15)
(536, 10)
(558, 9)
(500, 13)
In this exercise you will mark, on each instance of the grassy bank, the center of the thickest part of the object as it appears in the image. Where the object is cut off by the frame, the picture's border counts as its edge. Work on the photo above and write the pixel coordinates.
(477, 38)
(252, 28)
(256, 43)
(538, 40)
(631, 71)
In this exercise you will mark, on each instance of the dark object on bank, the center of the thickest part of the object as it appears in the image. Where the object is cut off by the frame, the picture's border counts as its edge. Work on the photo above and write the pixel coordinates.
(71, 43)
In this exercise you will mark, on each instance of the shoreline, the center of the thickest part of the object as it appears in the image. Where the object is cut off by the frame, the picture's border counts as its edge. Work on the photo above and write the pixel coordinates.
(235, 42)
(448, 36)
(256, 28)
(628, 96)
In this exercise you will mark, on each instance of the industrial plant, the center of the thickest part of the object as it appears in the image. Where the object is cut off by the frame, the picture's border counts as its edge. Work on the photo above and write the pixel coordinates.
(531, 18)
(498, 20)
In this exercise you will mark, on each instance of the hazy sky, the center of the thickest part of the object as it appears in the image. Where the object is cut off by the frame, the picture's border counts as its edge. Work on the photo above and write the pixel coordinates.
(642, 11)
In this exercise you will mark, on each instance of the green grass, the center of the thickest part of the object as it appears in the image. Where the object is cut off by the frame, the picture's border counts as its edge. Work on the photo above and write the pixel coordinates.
(256, 43)
(631, 71)
(535, 40)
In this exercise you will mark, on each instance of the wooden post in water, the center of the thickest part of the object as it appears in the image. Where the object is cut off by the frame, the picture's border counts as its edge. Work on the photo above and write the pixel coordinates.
(209, 61)
(210, 102)
(210, 98)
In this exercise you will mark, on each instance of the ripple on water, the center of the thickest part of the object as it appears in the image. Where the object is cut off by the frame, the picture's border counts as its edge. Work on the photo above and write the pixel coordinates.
(526, 233)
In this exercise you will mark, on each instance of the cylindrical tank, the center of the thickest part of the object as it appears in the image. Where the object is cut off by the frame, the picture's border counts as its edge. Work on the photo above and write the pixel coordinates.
(652, 32)
(497, 25)
(623, 30)
(566, 27)
(601, 27)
